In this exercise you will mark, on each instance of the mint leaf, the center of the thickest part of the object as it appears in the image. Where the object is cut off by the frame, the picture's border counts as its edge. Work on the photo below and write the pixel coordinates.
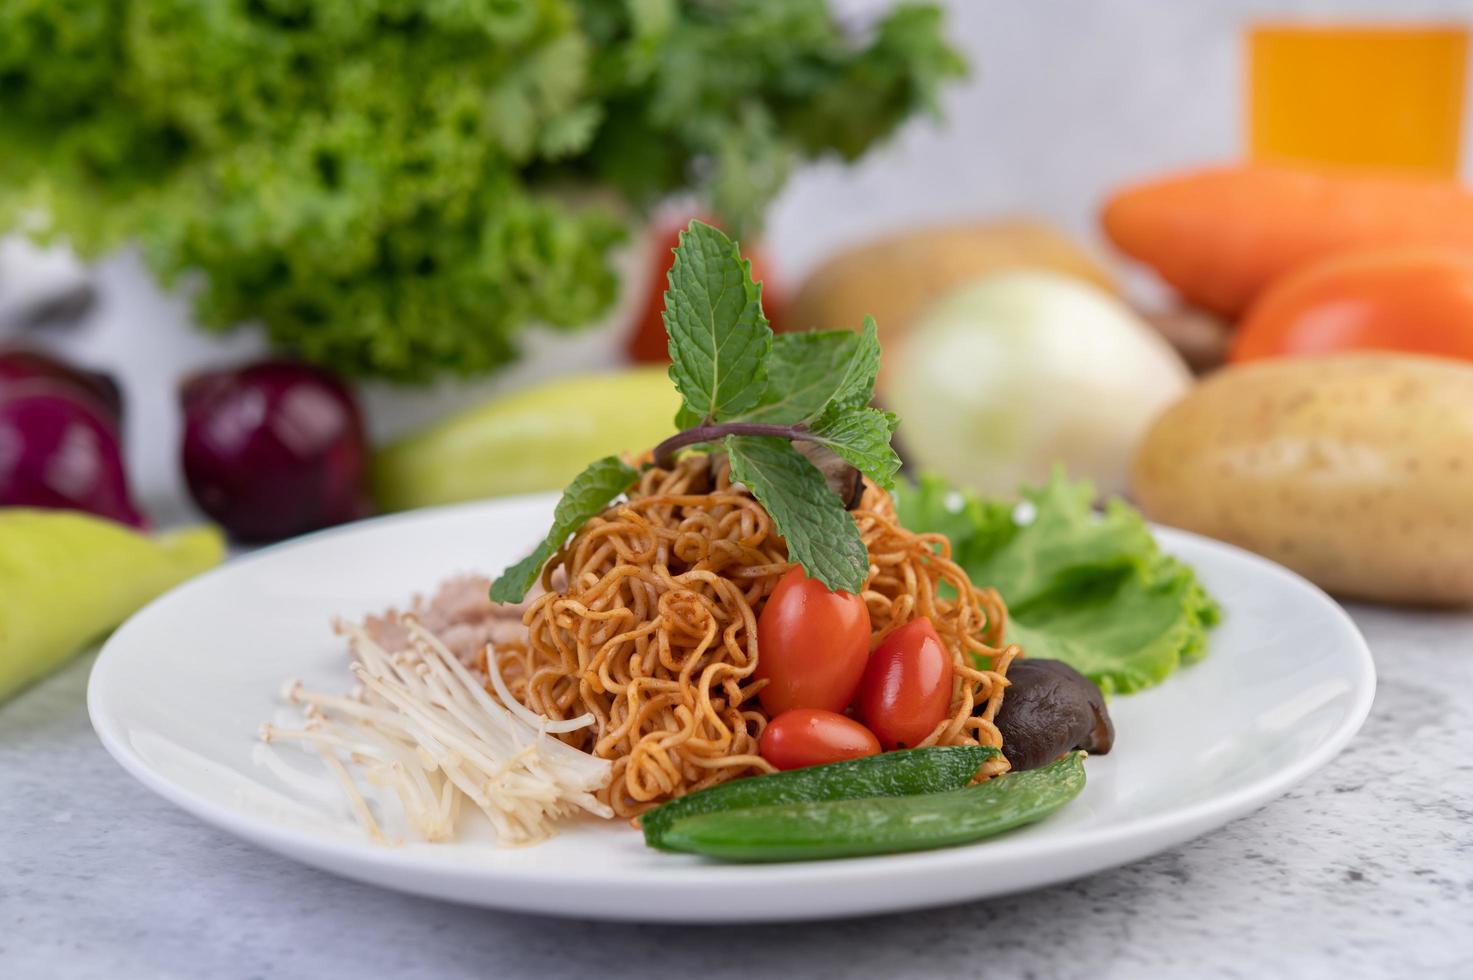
(589, 493)
(821, 534)
(861, 437)
(856, 386)
(807, 372)
(719, 338)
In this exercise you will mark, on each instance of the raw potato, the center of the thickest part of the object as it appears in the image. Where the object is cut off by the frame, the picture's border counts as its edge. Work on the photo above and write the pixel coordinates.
(1355, 470)
(895, 277)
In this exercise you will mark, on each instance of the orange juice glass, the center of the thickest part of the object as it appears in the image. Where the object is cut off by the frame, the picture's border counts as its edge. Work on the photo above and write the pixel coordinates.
(1383, 95)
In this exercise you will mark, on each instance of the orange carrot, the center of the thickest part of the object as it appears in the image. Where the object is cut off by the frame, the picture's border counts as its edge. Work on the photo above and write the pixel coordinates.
(1221, 235)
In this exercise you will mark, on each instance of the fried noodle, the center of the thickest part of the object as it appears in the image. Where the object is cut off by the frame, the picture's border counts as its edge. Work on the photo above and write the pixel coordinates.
(650, 624)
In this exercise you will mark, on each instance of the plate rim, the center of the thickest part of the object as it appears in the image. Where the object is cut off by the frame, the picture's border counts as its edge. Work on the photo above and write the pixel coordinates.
(324, 850)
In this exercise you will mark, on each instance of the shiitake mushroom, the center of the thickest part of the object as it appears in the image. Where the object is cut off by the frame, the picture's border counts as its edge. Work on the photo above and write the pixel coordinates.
(1050, 708)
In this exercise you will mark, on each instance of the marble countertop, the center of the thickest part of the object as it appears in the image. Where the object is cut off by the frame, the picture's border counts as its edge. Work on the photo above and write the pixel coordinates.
(1366, 869)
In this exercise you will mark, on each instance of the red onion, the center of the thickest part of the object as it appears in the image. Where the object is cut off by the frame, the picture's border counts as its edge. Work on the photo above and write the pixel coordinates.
(274, 449)
(18, 364)
(59, 449)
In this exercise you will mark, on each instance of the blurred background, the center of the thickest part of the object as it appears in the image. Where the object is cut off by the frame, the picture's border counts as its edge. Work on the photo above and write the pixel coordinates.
(1064, 102)
(402, 196)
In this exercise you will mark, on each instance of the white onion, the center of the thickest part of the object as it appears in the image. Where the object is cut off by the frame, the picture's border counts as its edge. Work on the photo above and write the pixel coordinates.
(1004, 377)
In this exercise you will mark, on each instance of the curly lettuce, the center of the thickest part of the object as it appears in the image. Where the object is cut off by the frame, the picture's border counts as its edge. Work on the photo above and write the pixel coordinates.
(397, 187)
(1091, 589)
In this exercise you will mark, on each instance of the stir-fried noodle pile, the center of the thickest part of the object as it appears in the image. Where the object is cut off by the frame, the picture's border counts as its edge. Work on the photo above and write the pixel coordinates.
(650, 624)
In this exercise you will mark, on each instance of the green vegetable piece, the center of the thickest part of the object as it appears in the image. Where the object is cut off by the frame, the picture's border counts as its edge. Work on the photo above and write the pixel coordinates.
(810, 372)
(903, 773)
(534, 439)
(67, 578)
(857, 384)
(1127, 636)
(589, 493)
(885, 825)
(1067, 544)
(861, 437)
(399, 188)
(821, 534)
(1093, 590)
(719, 338)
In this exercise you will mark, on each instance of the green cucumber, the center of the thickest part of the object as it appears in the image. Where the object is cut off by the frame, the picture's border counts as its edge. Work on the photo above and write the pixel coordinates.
(855, 827)
(904, 773)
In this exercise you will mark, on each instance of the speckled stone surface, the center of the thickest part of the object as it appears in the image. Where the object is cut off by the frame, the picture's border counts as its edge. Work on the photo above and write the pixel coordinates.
(1365, 870)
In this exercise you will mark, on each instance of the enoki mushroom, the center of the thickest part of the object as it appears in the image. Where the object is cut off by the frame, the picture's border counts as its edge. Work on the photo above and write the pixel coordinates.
(423, 726)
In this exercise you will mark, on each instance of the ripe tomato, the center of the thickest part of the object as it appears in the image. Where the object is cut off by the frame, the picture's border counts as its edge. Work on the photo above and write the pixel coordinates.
(1417, 300)
(813, 737)
(647, 343)
(812, 645)
(906, 689)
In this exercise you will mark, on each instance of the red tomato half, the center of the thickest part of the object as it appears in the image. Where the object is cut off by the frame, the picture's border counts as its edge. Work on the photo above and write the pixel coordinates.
(906, 689)
(812, 645)
(813, 737)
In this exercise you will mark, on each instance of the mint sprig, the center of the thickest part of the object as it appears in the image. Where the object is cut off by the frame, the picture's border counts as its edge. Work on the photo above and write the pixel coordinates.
(719, 338)
(820, 532)
(589, 493)
(861, 437)
(754, 395)
(816, 371)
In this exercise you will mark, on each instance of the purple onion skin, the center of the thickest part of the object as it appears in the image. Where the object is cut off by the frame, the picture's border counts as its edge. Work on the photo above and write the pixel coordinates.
(59, 449)
(274, 449)
(20, 364)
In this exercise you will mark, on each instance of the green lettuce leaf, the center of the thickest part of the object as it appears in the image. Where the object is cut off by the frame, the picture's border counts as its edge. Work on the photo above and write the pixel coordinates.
(1091, 589)
(397, 188)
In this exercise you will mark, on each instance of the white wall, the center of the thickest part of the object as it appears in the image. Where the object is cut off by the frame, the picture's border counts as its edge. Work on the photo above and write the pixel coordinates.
(1068, 98)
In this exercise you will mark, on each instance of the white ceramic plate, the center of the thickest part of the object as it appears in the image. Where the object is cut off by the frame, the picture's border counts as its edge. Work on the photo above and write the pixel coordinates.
(179, 692)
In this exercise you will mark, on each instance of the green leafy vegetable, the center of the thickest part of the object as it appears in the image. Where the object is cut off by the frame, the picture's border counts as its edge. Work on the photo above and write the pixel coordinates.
(861, 437)
(719, 338)
(589, 493)
(821, 534)
(1092, 590)
(815, 371)
(389, 186)
(752, 396)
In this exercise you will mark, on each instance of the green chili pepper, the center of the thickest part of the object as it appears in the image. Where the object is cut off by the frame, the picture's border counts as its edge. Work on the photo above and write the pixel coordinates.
(883, 825)
(889, 774)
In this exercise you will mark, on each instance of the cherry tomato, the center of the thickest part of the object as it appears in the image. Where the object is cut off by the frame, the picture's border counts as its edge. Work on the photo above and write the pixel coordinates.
(906, 689)
(814, 737)
(647, 343)
(1417, 300)
(812, 645)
